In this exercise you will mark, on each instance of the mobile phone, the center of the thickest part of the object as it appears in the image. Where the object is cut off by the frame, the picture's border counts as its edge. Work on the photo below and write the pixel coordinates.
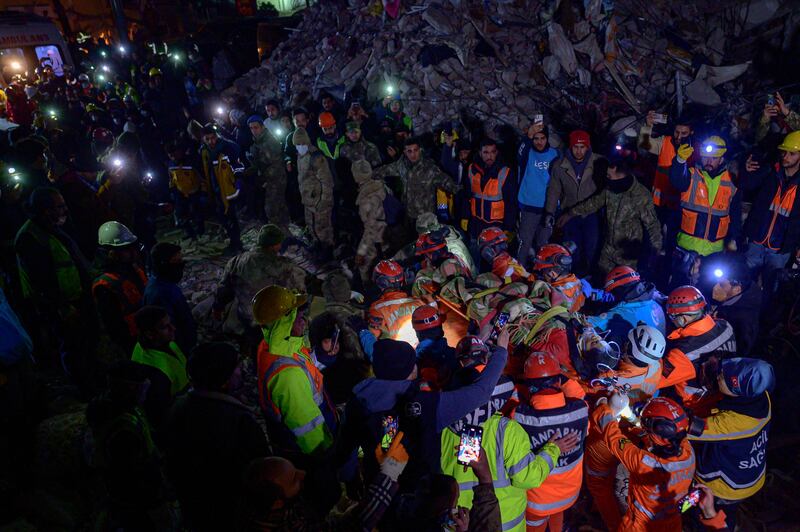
(771, 99)
(689, 501)
(660, 118)
(469, 449)
(499, 323)
(390, 427)
(335, 338)
(538, 119)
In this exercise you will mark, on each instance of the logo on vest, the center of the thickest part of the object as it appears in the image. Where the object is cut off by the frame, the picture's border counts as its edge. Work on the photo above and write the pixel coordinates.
(757, 453)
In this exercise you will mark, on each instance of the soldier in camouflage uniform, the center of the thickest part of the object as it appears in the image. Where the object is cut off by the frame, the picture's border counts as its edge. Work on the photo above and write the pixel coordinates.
(249, 272)
(266, 155)
(628, 210)
(371, 194)
(337, 293)
(316, 188)
(357, 147)
(419, 177)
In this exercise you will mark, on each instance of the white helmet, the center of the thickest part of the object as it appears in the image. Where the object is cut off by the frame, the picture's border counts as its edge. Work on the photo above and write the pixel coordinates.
(647, 344)
(114, 234)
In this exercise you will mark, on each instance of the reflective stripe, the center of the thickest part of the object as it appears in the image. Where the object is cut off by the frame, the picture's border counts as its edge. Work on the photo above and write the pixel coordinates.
(522, 464)
(546, 421)
(539, 508)
(510, 525)
(736, 435)
(503, 387)
(499, 437)
(278, 365)
(713, 475)
(540, 522)
(401, 301)
(596, 473)
(547, 458)
(605, 420)
(653, 463)
(663, 514)
(713, 345)
(567, 468)
(497, 484)
(308, 427)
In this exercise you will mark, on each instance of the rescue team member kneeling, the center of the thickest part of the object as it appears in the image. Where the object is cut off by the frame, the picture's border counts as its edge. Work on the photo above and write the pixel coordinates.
(731, 442)
(661, 464)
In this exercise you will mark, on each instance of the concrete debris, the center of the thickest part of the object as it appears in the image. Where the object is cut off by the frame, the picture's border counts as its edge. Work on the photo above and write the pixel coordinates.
(593, 61)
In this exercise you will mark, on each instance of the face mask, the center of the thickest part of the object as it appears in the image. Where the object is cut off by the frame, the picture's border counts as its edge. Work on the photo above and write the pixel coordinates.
(302, 150)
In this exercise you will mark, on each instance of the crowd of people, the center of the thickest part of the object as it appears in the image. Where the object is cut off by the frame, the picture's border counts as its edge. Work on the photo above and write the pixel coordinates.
(449, 332)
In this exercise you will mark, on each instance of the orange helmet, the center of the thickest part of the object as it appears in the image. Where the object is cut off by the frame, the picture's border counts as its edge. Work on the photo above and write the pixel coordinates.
(621, 276)
(428, 243)
(540, 364)
(326, 119)
(553, 256)
(425, 317)
(491, 236)
(471, 349)
(665, 418)
(685, 300)
(388, 274)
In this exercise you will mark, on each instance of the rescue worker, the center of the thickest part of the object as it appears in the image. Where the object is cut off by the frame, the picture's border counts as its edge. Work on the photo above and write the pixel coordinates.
(357, 147)
(436, 360)
(711, 207)
(339, 302)
(697, 335)
(455, 239)
(330, 142)
(390, 315)
(493, 246)
(628, 213)
(266, 157)
(300, 419)
(731, 442)
(493, 191)
(635, 302)
(773, 223)
(218, 157)
(639, 370)
(434, 255)
(371, 193)
(665, 198)
(316, 189)
(166, 363)
(548, 411)
(516, 468)
(661, 467)
(119, 290)
(248, 272)
(418, 178)
(553, 264)
(186, 190)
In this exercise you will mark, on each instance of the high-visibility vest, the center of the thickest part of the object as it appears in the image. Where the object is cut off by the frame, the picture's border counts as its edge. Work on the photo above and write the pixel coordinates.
(67, 275)
(487, 203)
(223, 173)
(782, 205)
(700, 219)
(129, 291)
(323, 147)
(664, 194)
(185, 179)
(514, 468)
(551, 414)
(390, 316)
(570, 287)
(172, 364)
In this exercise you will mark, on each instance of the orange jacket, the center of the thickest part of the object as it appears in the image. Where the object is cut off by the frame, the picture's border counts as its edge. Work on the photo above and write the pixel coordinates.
(390, 316)
(507, 268)
(656, 484)
(487, 203)
(664, 194)
(570, 287)
(129, 292)
(644, 382)
(701, 219)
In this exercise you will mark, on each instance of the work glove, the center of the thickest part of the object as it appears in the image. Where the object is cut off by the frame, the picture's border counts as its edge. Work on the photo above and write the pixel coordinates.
(548, 221)
(357, 323)
(731, 246)
(595, 294)
(358, 297)
(685, 151)
(394, 459)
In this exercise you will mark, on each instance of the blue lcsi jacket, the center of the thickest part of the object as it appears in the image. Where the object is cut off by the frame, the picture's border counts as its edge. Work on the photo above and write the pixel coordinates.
(625, 315)
(534, 172)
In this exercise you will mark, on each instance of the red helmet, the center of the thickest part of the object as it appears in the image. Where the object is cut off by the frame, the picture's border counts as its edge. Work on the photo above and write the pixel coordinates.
(388, 274)
(491, 236)
(664, 418)
(685, 300)
(553, 256)
(621, 276)
(540, 364)
(425, 317)
(103, 136)
(326, 119)
(428, 243)
(469, 349)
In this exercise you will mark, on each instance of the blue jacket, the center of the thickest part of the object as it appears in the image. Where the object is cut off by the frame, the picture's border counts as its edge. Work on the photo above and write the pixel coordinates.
(627, 314)
(169, 296)
(15, 344)
(534, 172)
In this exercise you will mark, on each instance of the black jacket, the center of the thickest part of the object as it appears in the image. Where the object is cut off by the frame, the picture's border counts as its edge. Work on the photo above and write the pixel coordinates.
(742, 312)
(766, 180)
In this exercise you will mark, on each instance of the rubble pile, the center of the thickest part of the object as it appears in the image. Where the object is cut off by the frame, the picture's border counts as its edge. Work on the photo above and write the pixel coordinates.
(595, 63)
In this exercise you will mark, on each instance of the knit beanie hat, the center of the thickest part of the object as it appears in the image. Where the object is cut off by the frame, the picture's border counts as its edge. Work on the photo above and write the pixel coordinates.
(270, 235)
(393, 360)
(300, 137)
(255, 118)
(579, 137)
(748, 377)
(362, 171)
(212, 364)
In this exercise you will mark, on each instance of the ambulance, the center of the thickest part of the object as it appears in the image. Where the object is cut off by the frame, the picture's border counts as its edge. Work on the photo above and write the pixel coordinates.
(27, 42)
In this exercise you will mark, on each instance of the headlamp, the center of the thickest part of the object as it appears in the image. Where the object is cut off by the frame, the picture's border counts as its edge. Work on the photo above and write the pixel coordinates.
(709, 148)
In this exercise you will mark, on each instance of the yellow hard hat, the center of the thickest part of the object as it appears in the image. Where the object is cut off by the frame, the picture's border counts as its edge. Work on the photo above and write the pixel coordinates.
(791, 142)
(273, 302)
(154, 72)
(713, 146)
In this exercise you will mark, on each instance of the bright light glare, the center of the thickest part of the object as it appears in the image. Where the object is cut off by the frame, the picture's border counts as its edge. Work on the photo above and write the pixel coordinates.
(220, 110)
(618, 147)
(117, 162)
(709, 149)
(389, 89)
(718, 273)
(11, 169)
(279, 132)
(16, 65)
(105, 68)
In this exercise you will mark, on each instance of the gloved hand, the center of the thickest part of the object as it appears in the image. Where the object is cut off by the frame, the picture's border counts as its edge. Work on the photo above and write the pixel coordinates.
(358, 297)
(731, 246)
(685, 151)
(602, 295)
(586, 288)
(394, 459)
(548, 220)
(357, 323)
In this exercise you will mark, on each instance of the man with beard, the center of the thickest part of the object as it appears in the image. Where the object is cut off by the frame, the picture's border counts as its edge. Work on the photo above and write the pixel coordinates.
(492, 192)
(628, 210)
(535, 156)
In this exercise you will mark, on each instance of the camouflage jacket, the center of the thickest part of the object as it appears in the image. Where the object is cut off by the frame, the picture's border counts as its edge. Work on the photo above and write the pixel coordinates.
(315, 180)
(266, 156)
(626, 215)
(249, 272)
(351, 345)
(363, 149)
(370, 208)
(418, 184)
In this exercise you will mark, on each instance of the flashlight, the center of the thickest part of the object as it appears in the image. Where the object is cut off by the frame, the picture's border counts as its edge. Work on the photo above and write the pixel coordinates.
(105, 68)
(718, 273)
(16, 65)
(176, 57)
(117, 163)
(148, 177)
(220, 110)
(101, 77)
(389, 90)
(121, 49)
(618, 147)
(279, 132)
(12, 170)
(102, 53)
